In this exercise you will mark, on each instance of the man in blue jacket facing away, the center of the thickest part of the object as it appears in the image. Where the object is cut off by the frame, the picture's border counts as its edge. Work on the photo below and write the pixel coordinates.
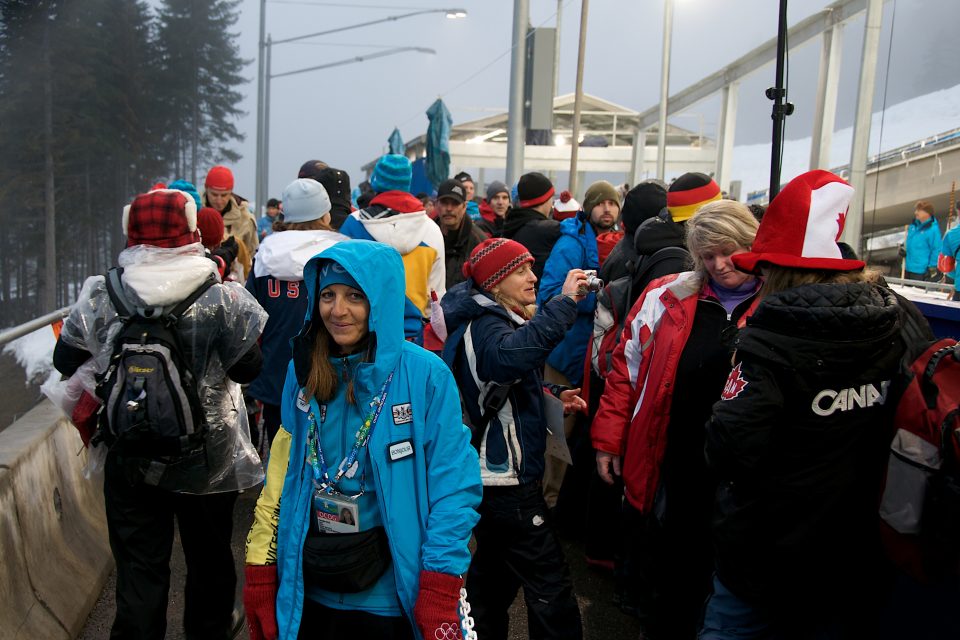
(576, 248)
(923, 243)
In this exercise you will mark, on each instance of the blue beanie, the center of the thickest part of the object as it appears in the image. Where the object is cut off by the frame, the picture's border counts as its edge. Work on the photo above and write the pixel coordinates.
(189, 189)
(333, 273)
(392, 173)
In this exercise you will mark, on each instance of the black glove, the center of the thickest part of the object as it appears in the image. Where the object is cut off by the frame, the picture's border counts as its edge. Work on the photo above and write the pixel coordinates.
(227, 251)
(933, 275)
(901, 251)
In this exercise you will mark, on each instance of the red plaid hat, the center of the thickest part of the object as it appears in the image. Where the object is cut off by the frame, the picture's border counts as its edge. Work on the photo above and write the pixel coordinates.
(493, 260)
(164, 218)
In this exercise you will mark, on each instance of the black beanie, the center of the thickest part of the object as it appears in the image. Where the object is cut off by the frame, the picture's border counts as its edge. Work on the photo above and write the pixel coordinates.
(534, 189)
(337, 184)
(644, 201)
(312, 169)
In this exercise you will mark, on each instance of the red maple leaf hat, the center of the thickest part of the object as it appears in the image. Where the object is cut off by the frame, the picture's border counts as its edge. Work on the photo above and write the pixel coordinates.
(802, 225)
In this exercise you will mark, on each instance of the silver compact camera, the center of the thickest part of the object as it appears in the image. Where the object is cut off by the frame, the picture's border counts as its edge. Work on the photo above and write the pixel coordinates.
(593, 283)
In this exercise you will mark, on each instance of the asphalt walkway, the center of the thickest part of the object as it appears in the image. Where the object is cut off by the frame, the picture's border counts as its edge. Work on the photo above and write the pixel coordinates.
(595, 592)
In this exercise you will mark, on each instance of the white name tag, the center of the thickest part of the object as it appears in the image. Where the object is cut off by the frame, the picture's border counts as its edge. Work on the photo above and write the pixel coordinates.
(400, 450)
(302, 403)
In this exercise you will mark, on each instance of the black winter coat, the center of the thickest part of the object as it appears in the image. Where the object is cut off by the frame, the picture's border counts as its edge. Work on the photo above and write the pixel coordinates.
(537, 233)
(799, 441)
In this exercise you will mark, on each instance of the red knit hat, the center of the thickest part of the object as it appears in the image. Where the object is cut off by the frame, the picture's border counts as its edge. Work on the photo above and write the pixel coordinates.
(210, 224)
(164, 218)
(219, 178)
(493, 260)
(801, 226)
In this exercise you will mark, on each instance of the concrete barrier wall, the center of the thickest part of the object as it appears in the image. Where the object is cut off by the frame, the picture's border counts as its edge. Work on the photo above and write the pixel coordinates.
(53, 532)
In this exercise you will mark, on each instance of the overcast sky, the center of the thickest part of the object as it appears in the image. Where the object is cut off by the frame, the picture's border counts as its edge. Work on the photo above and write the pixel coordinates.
(344, 115)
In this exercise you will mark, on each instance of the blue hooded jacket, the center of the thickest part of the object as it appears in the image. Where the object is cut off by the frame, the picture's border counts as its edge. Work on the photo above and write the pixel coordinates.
(576, 249)
(923, 245)
(427, 500)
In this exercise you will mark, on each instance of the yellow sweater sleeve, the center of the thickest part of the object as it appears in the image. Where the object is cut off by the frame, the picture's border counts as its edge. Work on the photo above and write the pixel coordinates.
(262, 539)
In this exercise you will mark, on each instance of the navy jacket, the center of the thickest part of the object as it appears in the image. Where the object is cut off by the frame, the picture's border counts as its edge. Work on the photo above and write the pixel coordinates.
(489, 345)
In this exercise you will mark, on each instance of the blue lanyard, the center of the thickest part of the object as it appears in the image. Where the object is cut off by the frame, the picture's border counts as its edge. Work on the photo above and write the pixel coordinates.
(321, 475)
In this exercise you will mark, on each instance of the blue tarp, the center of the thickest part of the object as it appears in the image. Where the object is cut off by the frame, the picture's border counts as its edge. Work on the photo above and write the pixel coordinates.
(438, 143)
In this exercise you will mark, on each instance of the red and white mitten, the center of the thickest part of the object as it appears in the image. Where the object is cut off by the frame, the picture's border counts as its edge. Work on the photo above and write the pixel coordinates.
(436, 610)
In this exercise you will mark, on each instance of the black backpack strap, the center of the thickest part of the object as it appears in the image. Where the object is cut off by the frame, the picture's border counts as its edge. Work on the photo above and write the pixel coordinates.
(117, 295)
(648, 263)
(182, 306)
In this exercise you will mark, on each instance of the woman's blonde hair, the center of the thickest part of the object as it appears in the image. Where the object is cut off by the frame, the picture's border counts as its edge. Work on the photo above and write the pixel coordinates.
(777, 278)
(320, 224)
(524, 311)
(716, 225)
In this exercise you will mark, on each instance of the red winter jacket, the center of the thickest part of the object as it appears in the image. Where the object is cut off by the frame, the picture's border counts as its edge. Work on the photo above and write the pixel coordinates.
(633, 416)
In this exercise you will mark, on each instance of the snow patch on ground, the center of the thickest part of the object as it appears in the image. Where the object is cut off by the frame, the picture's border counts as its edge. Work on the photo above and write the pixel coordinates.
(34, 352)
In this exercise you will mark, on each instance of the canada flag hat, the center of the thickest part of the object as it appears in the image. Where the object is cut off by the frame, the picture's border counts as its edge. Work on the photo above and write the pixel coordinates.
(802, 225)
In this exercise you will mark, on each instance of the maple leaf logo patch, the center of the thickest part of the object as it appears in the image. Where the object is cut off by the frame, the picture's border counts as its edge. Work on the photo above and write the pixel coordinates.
(735, 384)
(841, 220)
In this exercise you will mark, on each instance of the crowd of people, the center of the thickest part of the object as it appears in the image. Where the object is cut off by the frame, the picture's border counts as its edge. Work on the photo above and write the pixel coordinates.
(406, 373)
(926, 255)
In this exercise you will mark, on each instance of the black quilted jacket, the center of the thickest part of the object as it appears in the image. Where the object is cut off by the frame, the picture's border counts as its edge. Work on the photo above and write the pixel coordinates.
(799, 444)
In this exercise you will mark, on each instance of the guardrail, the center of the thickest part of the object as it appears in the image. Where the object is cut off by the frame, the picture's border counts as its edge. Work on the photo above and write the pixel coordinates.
(929, 286)
(29, 327)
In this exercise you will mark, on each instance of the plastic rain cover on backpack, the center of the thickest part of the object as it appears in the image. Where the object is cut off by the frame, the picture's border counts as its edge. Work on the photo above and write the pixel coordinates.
(217, 330)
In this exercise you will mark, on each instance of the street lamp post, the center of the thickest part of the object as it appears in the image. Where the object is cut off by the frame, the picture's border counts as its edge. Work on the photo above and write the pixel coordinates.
(664, 89)
(263, 81)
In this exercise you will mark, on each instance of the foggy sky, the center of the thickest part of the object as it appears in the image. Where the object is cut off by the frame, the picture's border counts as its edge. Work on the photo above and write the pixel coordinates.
(344, 115)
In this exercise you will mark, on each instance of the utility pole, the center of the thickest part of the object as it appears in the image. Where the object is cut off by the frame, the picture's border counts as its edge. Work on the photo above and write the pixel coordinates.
(259, 197)
(556, 51)
(664, 89)
(518, 57)
(578, 96)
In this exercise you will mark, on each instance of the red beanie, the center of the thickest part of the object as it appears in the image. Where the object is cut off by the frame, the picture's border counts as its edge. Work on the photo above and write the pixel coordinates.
(493, 260)
(219, 178)
(210, 224)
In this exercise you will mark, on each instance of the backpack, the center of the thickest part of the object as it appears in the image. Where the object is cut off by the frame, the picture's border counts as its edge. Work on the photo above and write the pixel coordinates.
(151, 408)
(614, 301)
(920, 503)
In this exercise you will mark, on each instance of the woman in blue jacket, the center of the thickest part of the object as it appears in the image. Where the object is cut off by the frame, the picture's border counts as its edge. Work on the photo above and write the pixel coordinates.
(923, 244)
(497, 347)
(372, 487)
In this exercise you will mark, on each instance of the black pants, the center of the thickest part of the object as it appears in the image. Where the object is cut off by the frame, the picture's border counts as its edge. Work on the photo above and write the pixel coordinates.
(320, 623)
(271, 422)
(666, 573)
(517, 547)
(140, 521)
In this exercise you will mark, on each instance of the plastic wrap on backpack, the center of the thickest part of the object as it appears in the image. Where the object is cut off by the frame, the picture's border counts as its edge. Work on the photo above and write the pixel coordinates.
(217, 330)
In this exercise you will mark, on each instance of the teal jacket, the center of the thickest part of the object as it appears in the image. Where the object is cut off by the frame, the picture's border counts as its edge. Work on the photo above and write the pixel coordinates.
(427, 500)
(923, 245)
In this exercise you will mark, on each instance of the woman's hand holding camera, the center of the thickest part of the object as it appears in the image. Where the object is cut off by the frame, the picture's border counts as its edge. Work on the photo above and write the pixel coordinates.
(575, 285)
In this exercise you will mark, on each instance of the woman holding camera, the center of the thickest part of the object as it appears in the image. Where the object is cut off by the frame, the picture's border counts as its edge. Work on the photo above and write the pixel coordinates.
(668, 370)
(362, 526)
(497, 348)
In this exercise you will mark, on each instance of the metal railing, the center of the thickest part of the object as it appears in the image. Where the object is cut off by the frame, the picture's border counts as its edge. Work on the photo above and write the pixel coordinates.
(29, 327)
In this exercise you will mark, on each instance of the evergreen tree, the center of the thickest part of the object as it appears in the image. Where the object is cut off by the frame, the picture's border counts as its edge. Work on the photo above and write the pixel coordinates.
(201, 69)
